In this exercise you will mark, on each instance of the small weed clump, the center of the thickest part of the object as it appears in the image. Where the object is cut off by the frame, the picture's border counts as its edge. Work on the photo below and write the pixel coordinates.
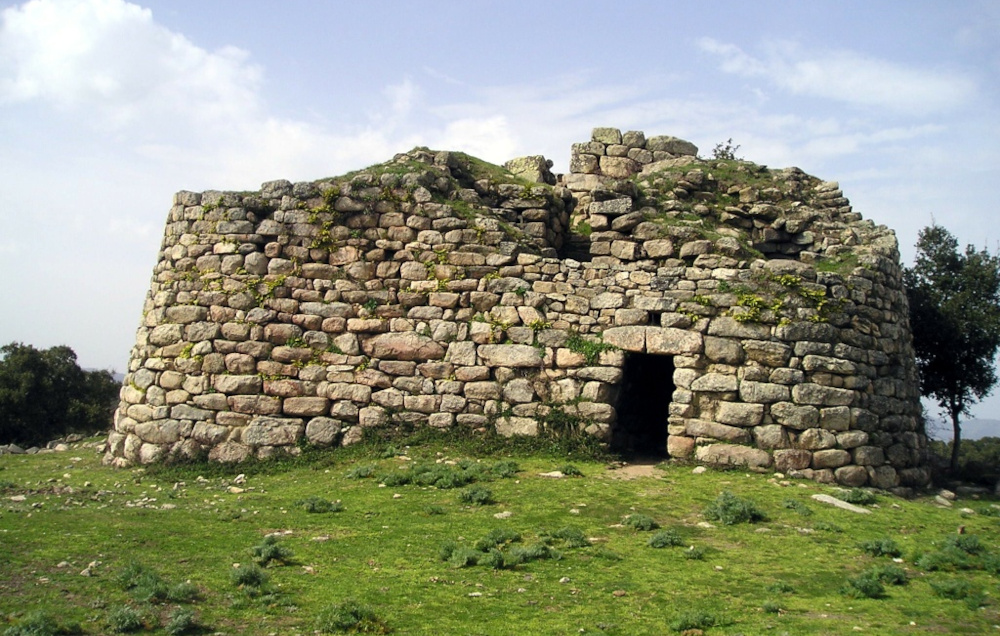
(857, 496)
(476, 495)
(779, 587)
(498, 537)
(318, 505)
(40, 624)
(350, 616)
(445, 476)
(890, 574)
(124, 620)
(270, 551)
(827, 527)
(363, 471)
(881, 547)
(665, 539)
(182, 621)
(640, 522)
(695, 553)
(959, 590)
(571, 537)
(571, 471)
(772, 607)
(797, 506)
(248, 576)
(959, 552)
(729, 510)
(865, 585)
(697, 620)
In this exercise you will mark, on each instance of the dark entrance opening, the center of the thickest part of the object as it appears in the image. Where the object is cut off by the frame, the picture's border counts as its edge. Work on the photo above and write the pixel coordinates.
(643, 406)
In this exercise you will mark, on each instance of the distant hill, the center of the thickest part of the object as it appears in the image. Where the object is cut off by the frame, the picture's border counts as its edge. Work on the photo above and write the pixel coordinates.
(971, 429)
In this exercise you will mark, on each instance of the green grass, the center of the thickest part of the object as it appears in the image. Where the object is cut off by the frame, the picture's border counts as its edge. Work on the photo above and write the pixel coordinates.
(414, 559)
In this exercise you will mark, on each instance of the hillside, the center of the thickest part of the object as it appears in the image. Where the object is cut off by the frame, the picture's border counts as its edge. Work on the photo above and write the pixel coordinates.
(397, 529)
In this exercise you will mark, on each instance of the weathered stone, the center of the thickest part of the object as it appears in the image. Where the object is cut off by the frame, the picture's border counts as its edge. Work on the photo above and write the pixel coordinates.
(796, 417)
(732, 455)
(680, 447)
(705, 428)
(791, 459)
(715, 383)
(407, 345)
(238, 384)
(770, 437)
(868, 456)
(763, 392)
(851, 476)
(817, 439)
(739, 414)
(672, 145)
(837, 418)
(510, 355)
(510, 426)
(229, 452)
(672, 341)
(852, 439)
(305, 406)
(626, 338)
(322, 431)
(819, 395)
(272, 431)
(832, 458)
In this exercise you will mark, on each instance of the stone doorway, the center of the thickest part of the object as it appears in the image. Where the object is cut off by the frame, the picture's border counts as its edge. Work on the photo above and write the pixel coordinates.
(643, 405)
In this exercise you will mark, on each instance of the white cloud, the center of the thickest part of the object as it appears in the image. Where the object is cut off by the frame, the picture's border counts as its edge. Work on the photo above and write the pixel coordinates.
(110, 57)
(847, 76)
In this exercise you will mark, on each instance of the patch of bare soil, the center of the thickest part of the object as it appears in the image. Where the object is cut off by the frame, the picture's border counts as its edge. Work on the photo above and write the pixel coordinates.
(635, 469)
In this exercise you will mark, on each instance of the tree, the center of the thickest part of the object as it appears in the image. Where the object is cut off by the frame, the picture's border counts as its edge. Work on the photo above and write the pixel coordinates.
(44, 394)
(955, 317)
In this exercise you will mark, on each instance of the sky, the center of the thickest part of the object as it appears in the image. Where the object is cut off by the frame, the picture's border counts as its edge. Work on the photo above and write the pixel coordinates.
(108, 107)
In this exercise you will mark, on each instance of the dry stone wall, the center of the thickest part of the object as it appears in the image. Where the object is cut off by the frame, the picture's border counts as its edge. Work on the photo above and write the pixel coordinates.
(437, 290)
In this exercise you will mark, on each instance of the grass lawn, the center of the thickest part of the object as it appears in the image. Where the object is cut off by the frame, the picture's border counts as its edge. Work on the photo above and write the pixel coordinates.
(439, 539)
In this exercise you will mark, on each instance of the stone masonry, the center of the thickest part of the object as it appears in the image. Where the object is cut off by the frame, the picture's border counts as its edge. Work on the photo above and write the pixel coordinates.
(438, 290)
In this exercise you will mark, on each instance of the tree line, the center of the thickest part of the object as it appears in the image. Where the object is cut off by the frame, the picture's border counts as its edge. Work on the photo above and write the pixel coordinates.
(44, 394)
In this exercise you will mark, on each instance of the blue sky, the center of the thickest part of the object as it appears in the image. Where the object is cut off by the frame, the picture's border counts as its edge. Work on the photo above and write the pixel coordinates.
(108, 107)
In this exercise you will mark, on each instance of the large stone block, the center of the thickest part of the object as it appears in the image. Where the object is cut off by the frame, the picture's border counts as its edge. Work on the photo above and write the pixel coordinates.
(705, 428)
(272, 431)
(513, 355)
(739, 414)
(819, 395)
(673, 341)
(733, 455)
(406, 345)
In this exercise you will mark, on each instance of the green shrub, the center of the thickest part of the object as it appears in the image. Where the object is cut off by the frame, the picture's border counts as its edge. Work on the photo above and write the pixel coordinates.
(866, 585)
(505, 469)
(496, 538)
(948, 558)
(446, 550)
(123, 620)
(881, 547)
(890, 574)
(248, 576)
(954, 589)
(350, 616)
(571, 537)
(772, 607)
(362, 472)
(433, 509)
(571, 471)
(606, 554)
(665, 539)
(857, 496)
(728, 509)
(779, 587)
(968, 543)
(492, 559)
(181, 621)
(641, 522)
(797, 506)
(694, 553)
(184, 592)
(463, 557)
(697, 620)
(40, 623)
(476, 495)
(317, 505)
(827, 527)
(270, 551)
